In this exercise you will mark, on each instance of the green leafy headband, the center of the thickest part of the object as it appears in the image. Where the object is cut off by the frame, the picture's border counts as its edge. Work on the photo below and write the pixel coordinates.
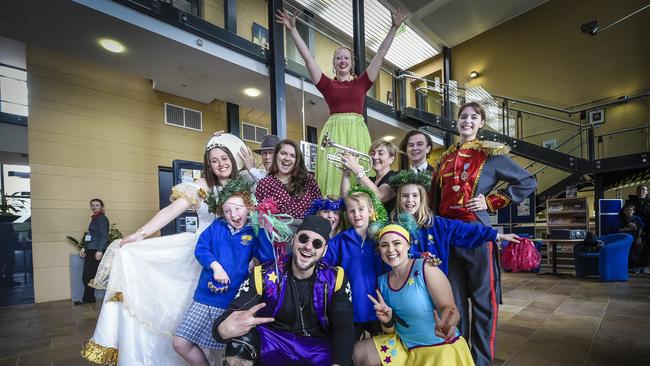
(380, 211)
(238, 185)
(409, 176)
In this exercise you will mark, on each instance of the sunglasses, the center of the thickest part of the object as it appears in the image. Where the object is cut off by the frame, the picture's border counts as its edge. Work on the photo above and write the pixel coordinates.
(316, 243)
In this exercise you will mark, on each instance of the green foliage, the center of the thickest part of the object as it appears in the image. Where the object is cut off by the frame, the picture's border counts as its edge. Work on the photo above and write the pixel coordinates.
(17, 204)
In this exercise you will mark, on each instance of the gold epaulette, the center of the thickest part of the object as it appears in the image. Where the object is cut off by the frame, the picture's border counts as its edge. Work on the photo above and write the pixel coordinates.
(492, 148)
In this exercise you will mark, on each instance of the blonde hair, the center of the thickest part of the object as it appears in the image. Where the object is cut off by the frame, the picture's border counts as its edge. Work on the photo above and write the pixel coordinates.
(423, 216)
(352, 74)
(361, 198)
(390, 147)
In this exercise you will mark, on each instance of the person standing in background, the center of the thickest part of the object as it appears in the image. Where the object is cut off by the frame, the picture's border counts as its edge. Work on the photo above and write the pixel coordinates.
(266, 151)
(418, 146)
(96, 242)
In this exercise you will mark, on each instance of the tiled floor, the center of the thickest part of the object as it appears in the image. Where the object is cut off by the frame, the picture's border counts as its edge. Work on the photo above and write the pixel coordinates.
(544, 321)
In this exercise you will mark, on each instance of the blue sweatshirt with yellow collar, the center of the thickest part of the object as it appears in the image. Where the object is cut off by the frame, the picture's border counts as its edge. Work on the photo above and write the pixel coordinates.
(233, 249)
(362, 265)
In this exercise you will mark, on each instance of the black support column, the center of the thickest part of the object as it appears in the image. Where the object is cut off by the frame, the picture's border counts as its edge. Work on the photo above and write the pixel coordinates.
(359, 37)
(232, 119)
(230, 15)
(446, 75)
(276, 72)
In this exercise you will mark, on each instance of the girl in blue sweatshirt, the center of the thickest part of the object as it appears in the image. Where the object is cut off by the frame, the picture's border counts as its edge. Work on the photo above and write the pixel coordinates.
(224, 250)
(354, 250)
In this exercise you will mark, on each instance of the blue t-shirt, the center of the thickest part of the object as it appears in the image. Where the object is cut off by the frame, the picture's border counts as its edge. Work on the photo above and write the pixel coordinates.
(233, 250)
(362, 265)
(445, 232)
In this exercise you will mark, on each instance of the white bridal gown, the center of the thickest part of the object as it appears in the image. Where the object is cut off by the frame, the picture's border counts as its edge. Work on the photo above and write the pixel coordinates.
(148, 290)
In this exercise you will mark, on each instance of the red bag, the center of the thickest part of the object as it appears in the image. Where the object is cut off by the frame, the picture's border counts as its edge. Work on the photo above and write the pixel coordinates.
(522, 256)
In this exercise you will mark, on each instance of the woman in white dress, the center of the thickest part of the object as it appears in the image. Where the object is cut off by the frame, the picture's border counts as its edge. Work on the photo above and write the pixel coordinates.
(149, 283)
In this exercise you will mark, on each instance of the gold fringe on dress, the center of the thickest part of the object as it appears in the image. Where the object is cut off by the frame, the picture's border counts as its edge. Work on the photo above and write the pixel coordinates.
(99, 355)
(117, 297)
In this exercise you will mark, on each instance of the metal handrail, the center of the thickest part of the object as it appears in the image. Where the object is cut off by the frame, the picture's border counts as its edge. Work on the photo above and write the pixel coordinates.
(545, 116)
(624, 130)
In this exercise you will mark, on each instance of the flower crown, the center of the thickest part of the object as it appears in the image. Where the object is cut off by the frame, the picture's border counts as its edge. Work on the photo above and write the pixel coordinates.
(380, 211)
(326, 204)
(411, 177)
(238, 185)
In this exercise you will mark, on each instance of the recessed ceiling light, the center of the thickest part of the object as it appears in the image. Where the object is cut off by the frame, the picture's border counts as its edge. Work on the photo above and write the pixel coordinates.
(252, 92)
(474, 74)
(389, 138)
(112, 45)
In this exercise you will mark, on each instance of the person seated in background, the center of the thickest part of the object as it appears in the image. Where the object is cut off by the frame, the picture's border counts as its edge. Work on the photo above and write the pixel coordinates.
(633, 225)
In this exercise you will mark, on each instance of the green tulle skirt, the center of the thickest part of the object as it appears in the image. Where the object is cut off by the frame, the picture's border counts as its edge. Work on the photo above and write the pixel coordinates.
(346, 129)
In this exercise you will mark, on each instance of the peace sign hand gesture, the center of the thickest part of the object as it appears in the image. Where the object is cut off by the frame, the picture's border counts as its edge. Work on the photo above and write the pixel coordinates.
(445, 327)
(240, 322)
(384, 312)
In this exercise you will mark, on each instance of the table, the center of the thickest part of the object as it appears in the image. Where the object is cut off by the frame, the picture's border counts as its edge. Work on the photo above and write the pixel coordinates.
(553, 243)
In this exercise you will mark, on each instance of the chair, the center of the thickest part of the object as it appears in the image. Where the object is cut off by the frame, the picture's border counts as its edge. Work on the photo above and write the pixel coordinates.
(610, 264)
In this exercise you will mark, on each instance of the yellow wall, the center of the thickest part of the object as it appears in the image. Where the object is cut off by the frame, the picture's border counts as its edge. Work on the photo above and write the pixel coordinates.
(213, 12)
(542, 56)
(96, 132)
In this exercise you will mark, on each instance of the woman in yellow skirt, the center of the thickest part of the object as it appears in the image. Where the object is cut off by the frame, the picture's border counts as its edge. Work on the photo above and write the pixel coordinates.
(345, 96)
(408, 302)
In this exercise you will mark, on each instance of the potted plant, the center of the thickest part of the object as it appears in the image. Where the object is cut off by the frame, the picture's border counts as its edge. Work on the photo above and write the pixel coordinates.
(9, 210)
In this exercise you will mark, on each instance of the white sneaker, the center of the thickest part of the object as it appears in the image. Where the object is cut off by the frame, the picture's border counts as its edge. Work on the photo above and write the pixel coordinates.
(635, 270)
(646, 270)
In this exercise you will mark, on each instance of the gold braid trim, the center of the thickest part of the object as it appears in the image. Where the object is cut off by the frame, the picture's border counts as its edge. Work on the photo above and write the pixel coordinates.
(117, 297)
(99, 355)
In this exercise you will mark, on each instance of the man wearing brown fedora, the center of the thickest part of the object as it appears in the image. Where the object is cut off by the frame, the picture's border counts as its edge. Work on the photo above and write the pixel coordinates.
(266, 151)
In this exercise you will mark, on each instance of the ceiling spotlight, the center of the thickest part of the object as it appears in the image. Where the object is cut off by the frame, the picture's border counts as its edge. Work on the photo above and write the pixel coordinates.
(252, 92)
(112, 45)
(389, 138)
(474, 74)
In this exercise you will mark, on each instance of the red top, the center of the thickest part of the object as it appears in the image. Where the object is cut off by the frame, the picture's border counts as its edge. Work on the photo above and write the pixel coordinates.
(344, 96)
(458, 177)
(297, 207)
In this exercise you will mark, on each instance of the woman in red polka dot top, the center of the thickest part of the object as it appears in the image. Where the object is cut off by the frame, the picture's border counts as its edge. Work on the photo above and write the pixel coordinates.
(289, 183)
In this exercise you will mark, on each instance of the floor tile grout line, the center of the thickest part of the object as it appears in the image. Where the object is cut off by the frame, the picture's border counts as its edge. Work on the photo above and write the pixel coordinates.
(593, 338)
(537, 328)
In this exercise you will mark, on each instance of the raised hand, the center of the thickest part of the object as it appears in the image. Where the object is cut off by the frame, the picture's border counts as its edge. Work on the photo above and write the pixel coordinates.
(246, 155)
(444, 327)
(398, 17)
(384, 312)
(287, 19)
(240, 322)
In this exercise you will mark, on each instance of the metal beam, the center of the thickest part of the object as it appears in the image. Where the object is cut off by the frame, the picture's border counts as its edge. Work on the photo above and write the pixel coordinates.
(620, 163)
(359, 37)
(232, 119)
(276, 72)
(446, 108)
(230, 15)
